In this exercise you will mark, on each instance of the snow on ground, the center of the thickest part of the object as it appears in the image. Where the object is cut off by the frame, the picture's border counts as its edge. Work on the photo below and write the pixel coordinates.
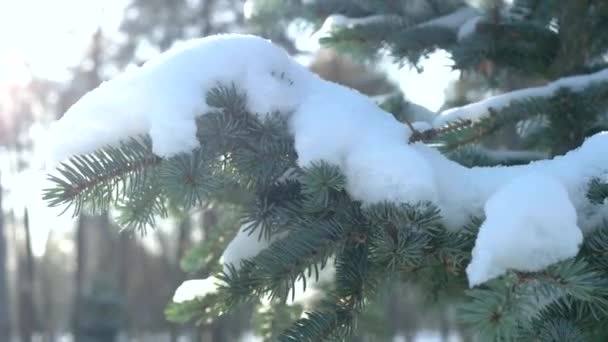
(340, 126)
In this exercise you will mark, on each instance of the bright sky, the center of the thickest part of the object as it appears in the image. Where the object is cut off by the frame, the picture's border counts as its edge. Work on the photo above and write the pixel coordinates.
(428, 87)
(49, 35)
(45, 38)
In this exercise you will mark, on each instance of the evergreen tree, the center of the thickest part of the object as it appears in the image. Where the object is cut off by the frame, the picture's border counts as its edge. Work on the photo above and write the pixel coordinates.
(298, 219)
(5, 318)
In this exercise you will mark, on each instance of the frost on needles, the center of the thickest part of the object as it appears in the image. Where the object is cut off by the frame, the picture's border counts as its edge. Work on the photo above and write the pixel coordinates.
(320, 165)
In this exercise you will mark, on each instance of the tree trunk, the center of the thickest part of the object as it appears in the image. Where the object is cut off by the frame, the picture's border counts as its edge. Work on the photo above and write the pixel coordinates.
(27, 321)
(183, 239)
(574, 37)
(124, 245)
(5, 320)
(80, 255)
(206, 12)
(47, 293)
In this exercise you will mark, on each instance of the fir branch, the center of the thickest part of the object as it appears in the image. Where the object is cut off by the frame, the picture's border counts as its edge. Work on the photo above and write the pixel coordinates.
(476, 155)
(229, 98)
(595, 246)
(400, 234)
(272, 319)
(598, 191)
(574, 279)
(275, 270)
(504, 305)
(273, 208)
(335, 317)
(258, 149)
(458, 133)
(188, 179)
(523, 47)
(493, 312)
(320, 184)
(556, 101)
(99, 179)
(453, 248)
(436, 133)
(140, 210)
(466, 132)
(331, 321)
(355, 281)
(555, 329)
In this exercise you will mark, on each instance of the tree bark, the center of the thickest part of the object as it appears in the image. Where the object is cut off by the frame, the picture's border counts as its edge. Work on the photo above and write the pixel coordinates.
(5, 319)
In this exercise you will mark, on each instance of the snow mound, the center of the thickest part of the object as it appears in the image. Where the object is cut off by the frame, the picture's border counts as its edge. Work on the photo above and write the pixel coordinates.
(164, 96)
(525, 233)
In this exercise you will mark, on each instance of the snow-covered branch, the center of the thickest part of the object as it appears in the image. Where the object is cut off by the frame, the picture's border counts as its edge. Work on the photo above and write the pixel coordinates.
(478, 110)
(462, 20)
(453, 20)
(534, 213)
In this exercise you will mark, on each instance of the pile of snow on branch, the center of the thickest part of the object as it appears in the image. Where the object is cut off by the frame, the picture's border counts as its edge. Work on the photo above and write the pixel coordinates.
(341, 126)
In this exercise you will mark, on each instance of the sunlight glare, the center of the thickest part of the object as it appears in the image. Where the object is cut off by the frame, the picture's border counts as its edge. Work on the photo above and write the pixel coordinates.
(13, 70)
(428, 87)
(51, 35)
